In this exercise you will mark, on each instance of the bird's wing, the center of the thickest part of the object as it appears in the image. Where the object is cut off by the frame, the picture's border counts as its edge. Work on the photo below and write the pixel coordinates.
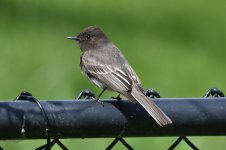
(113, 77)
(132, 74)
(114, 72)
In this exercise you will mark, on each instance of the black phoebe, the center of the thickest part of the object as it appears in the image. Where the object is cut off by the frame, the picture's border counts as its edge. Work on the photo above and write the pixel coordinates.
(106, 67)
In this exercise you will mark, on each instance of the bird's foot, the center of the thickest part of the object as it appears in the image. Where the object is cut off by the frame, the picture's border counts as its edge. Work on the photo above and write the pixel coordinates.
(86, 94)
(98, 101)
(151, 93)
(117, 98)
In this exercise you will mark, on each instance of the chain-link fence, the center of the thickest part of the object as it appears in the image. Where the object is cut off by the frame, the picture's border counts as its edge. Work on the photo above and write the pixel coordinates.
(29, 118)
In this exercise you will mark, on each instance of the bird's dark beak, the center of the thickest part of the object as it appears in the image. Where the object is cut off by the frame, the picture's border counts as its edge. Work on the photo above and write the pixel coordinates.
(73, 38)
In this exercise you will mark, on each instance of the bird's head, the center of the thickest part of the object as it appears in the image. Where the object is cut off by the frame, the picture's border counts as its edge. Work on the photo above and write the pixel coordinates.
(90, 38)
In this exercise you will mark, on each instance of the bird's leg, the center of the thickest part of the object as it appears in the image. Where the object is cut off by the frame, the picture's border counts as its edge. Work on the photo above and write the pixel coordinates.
(118, 97)
(98, 97)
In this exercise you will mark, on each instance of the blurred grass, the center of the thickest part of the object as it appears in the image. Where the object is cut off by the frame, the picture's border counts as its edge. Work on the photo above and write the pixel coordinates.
(176, 47)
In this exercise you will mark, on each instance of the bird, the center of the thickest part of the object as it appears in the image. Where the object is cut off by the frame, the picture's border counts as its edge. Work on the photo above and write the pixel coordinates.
(105, 66)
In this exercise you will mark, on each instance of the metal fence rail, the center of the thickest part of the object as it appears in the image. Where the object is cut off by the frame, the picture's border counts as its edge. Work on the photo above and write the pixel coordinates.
(54, 119)
(89, 119)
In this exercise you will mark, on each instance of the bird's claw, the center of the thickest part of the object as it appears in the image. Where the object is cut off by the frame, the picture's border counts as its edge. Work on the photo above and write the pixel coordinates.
(98, 101)
(117, 98)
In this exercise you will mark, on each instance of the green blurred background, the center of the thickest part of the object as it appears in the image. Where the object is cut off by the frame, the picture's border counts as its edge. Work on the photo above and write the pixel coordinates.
(177, 47)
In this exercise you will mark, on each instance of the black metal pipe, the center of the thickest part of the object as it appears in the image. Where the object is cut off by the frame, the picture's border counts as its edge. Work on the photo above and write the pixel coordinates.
(90, 119)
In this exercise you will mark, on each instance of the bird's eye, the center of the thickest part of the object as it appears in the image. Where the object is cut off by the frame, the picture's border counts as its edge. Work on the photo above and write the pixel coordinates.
(87, 37)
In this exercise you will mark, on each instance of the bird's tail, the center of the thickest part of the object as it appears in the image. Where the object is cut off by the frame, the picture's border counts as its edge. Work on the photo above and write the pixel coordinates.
(160, 117)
